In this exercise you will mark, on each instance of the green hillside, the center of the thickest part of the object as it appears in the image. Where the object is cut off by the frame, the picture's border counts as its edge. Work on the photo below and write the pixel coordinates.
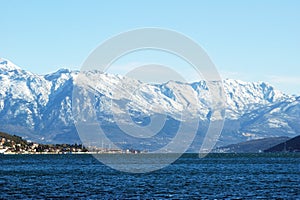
(15, 138)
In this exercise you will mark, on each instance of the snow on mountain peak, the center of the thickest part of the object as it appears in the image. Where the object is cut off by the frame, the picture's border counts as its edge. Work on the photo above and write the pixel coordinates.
(7, 65)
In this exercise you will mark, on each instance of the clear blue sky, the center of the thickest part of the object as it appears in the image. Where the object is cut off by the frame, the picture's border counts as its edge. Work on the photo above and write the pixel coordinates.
(248, 40)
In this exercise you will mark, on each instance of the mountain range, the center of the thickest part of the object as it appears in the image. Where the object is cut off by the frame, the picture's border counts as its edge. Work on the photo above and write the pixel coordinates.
(39, 107)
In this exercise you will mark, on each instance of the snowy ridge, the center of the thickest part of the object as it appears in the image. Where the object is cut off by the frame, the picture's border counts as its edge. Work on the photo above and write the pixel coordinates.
(6, 65)
(39, 106)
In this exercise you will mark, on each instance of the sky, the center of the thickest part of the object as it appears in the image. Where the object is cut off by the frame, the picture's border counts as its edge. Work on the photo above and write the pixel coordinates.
(247, 40)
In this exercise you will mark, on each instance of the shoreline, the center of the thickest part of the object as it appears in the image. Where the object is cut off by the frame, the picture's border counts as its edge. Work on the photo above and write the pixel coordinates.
(62, 153)
(132, 153)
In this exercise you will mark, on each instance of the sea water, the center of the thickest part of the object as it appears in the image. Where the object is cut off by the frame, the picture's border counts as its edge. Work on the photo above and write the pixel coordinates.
(217, 176)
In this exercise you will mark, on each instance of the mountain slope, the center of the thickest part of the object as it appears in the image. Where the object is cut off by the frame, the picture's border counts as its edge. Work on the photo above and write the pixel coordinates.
(252, 146)
(292, 145)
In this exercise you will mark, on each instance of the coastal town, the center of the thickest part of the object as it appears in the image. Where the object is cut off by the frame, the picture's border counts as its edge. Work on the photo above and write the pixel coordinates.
(12, 144)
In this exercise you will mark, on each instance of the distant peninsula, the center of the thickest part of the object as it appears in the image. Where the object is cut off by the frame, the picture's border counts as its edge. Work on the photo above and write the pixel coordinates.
(267, 145)
(292, 145)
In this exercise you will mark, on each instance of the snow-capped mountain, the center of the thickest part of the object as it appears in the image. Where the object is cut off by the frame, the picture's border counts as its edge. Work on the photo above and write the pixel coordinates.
(39, 107)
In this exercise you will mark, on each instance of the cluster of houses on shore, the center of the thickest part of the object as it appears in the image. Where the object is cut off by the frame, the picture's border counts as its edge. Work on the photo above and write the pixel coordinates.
(9, 146)
(16, 145)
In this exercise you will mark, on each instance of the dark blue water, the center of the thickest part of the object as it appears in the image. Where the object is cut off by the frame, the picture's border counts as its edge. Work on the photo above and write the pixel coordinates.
(217, 176)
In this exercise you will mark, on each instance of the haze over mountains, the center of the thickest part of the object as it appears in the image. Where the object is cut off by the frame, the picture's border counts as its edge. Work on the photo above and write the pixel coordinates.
(39, 107)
